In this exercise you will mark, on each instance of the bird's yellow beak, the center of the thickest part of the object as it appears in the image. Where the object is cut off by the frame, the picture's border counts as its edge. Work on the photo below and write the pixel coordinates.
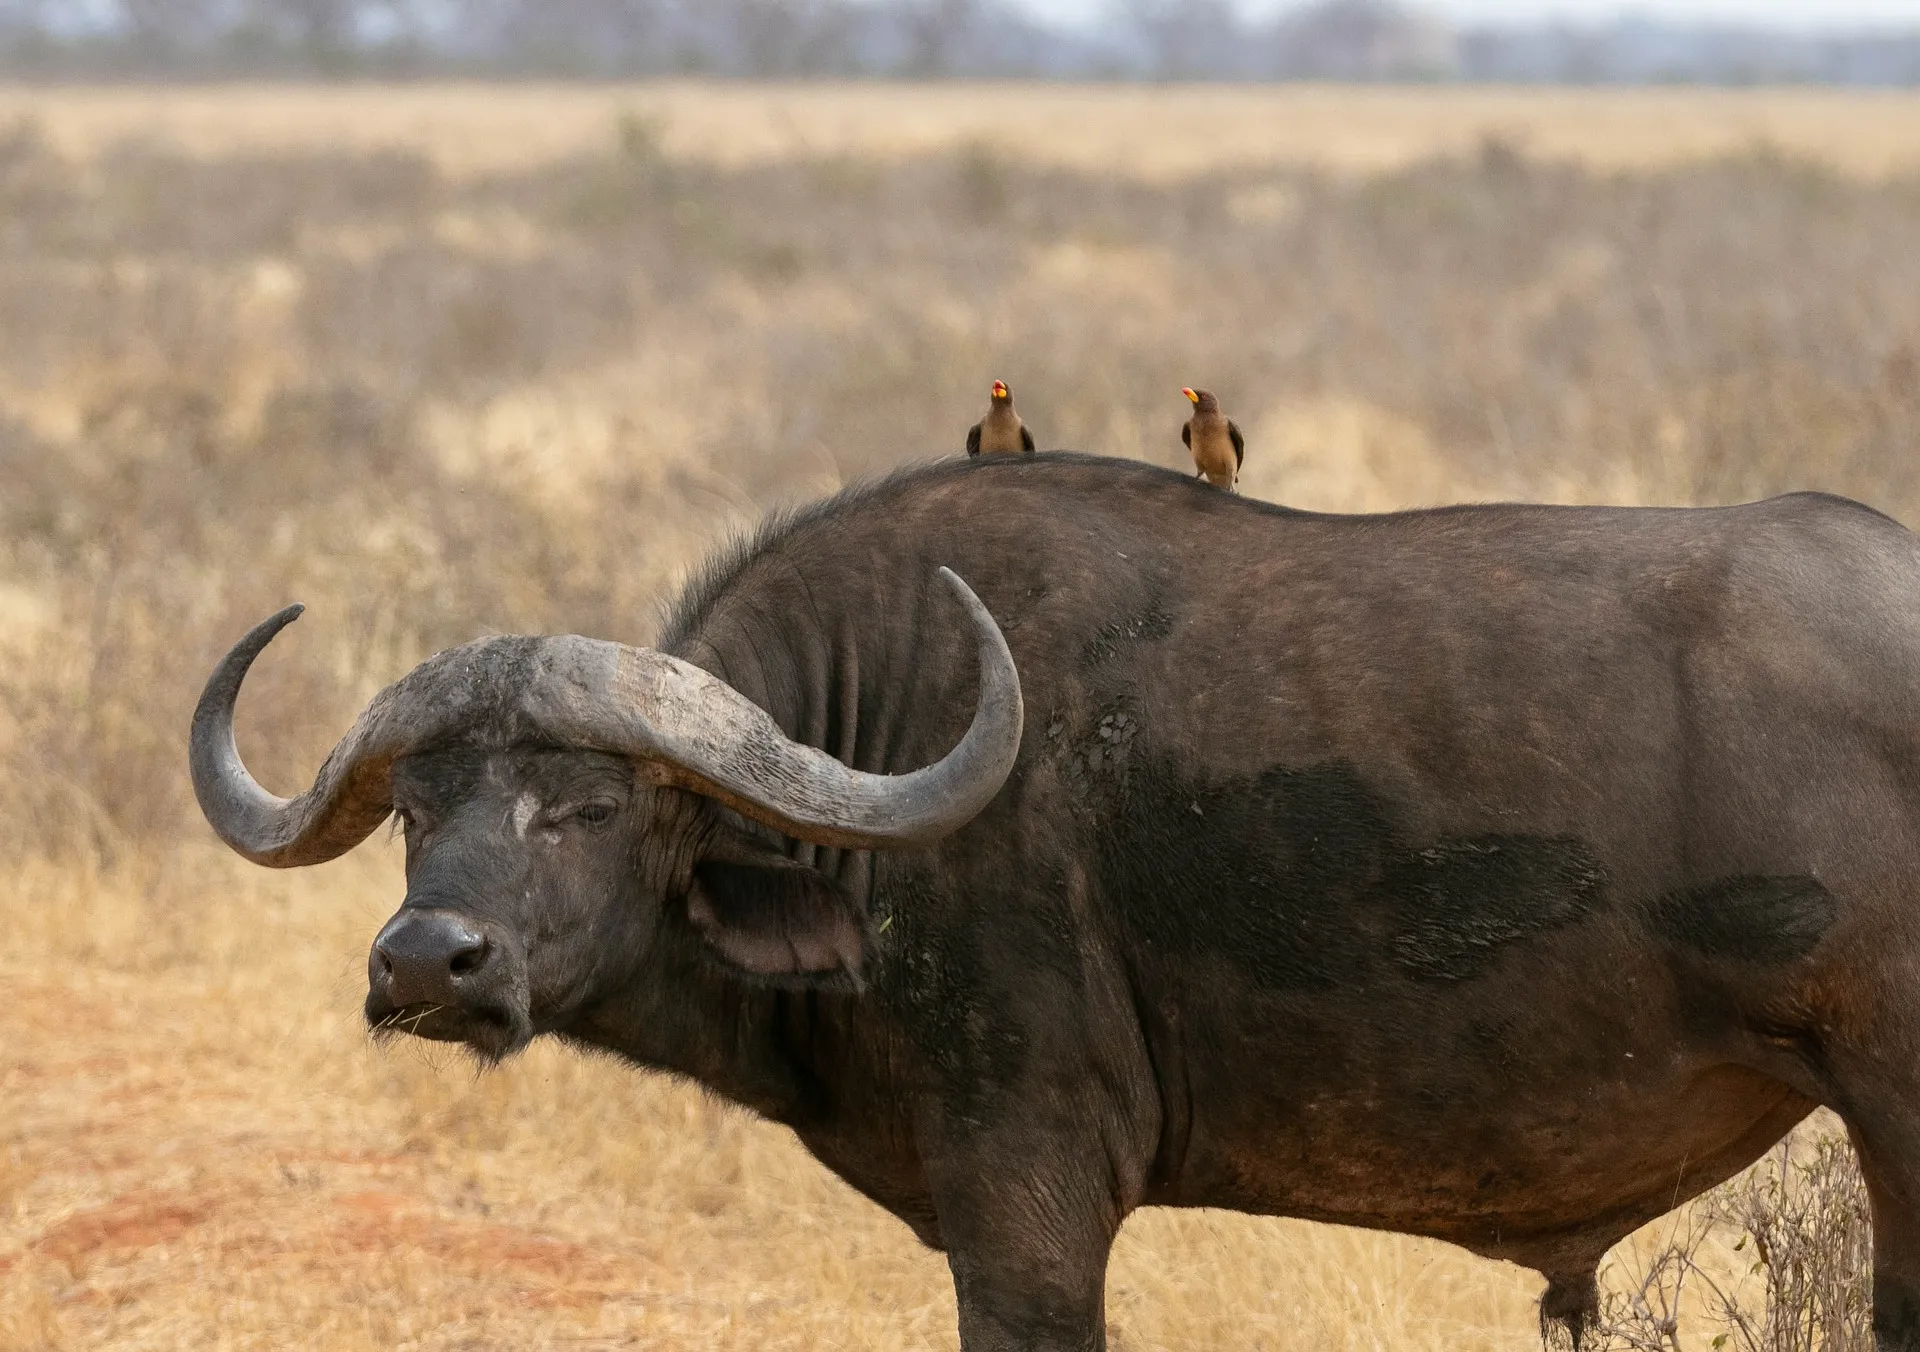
(1192, 398)
(999, 388)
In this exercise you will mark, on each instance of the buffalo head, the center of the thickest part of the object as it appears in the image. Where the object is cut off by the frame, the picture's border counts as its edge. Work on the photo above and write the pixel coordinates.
(557, 793)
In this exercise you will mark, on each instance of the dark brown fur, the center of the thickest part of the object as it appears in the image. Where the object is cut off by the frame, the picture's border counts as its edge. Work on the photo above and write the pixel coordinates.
(1499, 874)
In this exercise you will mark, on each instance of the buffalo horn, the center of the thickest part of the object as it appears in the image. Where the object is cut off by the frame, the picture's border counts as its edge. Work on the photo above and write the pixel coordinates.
(681, 724)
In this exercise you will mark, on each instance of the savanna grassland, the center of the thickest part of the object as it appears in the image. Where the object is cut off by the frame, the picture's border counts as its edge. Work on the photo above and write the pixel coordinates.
(441, 362)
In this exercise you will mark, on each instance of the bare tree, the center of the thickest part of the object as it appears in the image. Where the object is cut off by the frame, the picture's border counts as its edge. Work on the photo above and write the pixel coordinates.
(578, 37)
(935, 32)
(790, 37)
(1182, 39)
(1361, 40)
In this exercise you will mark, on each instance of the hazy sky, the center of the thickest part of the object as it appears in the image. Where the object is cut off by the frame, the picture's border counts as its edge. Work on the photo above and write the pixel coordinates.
(1800, 13)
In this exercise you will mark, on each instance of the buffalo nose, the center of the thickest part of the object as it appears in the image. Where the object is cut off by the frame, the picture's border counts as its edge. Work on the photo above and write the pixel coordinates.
(425, 957)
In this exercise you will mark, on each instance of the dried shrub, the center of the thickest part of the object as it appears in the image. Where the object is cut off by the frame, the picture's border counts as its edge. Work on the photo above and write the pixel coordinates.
(528, 400)
(1779, 1259)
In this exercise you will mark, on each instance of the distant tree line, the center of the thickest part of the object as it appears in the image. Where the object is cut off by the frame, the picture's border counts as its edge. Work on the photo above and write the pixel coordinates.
(1131, 39)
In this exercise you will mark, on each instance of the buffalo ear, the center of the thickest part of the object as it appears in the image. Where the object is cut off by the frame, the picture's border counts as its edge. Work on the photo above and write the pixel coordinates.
(774, 917)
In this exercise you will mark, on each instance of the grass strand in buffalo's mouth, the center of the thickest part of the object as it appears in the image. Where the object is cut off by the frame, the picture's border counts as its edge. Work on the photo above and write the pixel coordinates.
(489, 1032)
(408, 1018)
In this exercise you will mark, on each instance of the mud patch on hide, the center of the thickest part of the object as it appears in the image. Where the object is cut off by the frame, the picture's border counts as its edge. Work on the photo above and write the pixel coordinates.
(1303, 879)
(1767, 920)
(1150, 624)
(1461, 901)
(1093, 757)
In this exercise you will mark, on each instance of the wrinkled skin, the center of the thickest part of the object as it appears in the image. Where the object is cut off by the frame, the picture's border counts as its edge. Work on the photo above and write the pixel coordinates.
(1504, 875)
(536, 850)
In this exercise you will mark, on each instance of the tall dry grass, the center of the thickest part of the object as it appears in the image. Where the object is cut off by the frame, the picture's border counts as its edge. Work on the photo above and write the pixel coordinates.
(1157, 131)
(526, 396)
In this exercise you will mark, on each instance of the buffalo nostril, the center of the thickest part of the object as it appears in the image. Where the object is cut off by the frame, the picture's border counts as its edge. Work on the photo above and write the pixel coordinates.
(425, 957)
(468, 959)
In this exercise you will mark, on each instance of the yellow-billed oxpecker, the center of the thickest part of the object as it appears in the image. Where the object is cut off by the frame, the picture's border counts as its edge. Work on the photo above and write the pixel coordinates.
(1001, 432)
(1215, 440)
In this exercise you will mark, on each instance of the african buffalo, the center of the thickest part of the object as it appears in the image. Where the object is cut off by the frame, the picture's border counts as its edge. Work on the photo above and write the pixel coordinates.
(1503, 874)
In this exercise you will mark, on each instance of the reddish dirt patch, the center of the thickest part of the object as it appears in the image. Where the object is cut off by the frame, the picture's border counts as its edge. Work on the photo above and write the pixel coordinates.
(380, 1204)
(377, 1159)
(547, 1270)
(136, 1220)
(371, 1225)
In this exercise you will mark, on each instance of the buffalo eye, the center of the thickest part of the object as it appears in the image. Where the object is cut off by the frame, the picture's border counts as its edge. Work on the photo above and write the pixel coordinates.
(597, 813)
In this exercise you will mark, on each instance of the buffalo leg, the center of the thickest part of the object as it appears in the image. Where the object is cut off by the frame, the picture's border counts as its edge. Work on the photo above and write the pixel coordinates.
(1569, 1308)
(1890, 1164)
(1028, 1246)
(1871, 1079)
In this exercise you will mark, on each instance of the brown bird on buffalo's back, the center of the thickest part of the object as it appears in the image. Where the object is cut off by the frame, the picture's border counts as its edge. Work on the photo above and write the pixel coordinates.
(1215, 440)
(1001, 432)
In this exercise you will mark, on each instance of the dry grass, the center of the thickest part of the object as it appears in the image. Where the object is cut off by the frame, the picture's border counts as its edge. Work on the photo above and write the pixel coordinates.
(208, 1154)
(1777, 1260)
(516, 372)
(1162, 132)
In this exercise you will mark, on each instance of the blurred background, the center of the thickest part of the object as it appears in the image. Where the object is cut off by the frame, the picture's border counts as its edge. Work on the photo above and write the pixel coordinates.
(461, 316)
(1742, 42)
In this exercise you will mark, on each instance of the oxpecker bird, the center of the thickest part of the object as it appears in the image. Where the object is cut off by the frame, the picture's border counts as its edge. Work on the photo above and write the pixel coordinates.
(1001, 432)
(1215, 441)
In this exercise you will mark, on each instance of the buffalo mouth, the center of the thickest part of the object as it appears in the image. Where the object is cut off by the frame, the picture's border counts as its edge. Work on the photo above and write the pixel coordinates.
(436, 972)
(491, 1032)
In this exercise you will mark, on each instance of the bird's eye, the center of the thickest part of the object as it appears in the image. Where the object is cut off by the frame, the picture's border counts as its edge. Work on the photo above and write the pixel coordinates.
(595, 813)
